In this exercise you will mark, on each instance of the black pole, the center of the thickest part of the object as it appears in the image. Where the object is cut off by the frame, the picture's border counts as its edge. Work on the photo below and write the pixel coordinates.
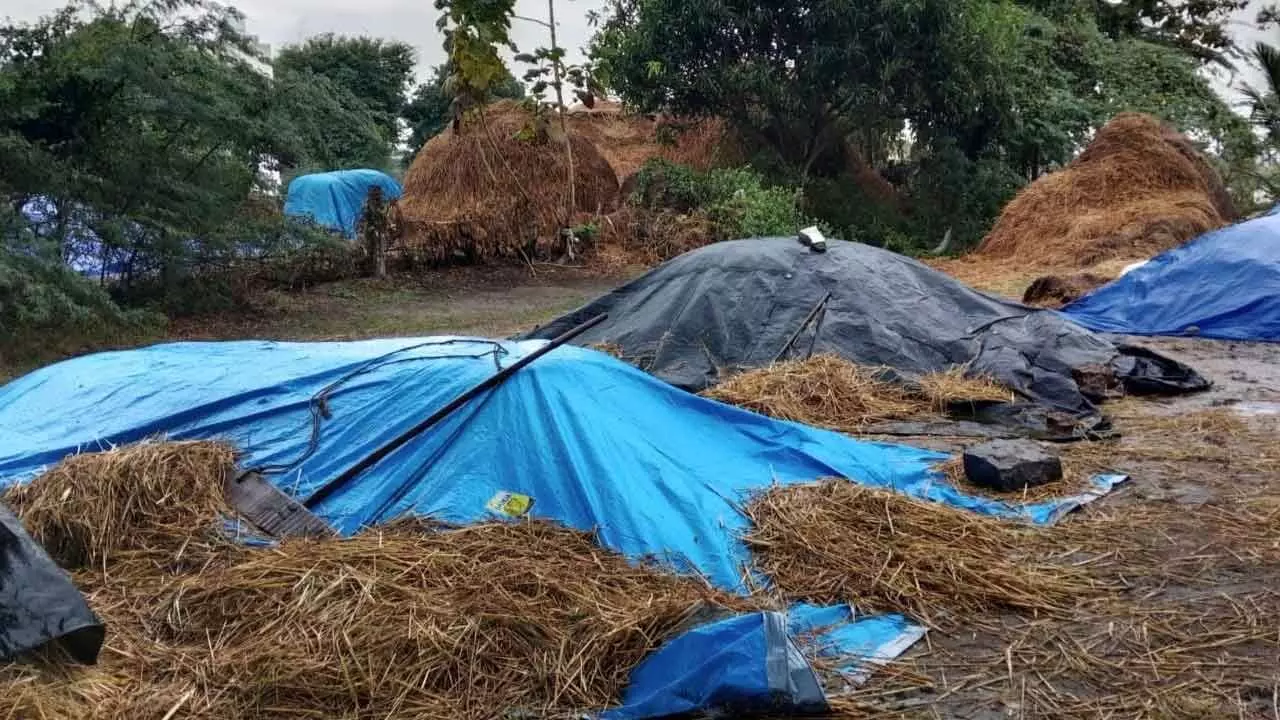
(497, 378)
(822, 304)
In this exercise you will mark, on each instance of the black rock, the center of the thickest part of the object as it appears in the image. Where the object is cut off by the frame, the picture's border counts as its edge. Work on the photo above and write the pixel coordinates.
(1011, 465)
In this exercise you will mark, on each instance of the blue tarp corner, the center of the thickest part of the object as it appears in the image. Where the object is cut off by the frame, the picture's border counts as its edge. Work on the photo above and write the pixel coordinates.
(1224, 285)
(334, 200)
(760, 661)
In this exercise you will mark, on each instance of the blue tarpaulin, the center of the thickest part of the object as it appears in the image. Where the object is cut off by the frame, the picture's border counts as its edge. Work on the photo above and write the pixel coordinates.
(335, 199)
(597, 444)
(1224, 284)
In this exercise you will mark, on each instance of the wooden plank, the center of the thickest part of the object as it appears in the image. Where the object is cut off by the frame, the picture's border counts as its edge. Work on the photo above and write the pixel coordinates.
(270, 510)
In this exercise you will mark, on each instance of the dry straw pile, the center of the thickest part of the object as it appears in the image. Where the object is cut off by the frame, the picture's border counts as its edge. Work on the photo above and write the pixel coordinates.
(1139, 188)
(494, 188)
(877, 549)
(834, 393)
(399, 622)
(628, 140)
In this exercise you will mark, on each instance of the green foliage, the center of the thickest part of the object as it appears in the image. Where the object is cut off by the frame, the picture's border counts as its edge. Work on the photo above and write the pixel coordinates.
(737, 201)
(964, 100)
(474, 30)
(319, 125)
(46, 308)
(1264, 100)
(431, 108)
(377, 72)
(141, 128)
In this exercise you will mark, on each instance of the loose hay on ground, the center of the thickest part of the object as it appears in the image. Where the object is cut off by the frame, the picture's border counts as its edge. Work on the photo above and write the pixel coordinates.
(879, 550)
(834, 393)
(88, 508)
(398, 622)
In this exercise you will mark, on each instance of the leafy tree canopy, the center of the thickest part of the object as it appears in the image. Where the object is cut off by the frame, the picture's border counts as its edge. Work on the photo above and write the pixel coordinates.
(378, 72)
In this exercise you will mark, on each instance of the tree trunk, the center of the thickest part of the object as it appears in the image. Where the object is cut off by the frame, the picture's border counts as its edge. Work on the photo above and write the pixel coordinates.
(564, 129)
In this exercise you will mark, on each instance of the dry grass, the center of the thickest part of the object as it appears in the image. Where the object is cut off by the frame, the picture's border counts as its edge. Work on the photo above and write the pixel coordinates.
(879, 550)
(958, 385)
(834, 393)
(483, 192)
(1137, 190)
(649, 237)
(89, 508)
(1191, 635)
(628, 140)
(399, 622)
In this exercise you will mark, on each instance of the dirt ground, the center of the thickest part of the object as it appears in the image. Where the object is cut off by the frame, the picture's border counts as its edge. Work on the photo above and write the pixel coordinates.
(1189, 547)
(490, 302)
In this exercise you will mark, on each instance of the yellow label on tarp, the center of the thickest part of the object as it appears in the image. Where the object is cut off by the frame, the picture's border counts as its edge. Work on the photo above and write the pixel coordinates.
(510, 504)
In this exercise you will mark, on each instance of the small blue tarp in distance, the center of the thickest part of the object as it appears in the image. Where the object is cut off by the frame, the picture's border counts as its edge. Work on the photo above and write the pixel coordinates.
(658, 472)
(335, 199)
(1224, 284)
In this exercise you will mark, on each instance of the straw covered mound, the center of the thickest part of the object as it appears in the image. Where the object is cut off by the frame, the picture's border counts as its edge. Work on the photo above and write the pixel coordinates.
(486, 191)
(834, 393)
(404, 621)
(1140, 188)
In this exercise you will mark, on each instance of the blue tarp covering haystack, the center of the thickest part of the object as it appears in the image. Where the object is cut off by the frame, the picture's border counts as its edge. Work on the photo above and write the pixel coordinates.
(335, 199)
(1224, 284)
(657, 472)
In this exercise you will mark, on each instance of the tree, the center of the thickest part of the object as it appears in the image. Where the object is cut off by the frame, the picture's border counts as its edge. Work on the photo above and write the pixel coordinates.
(990, 93)
(317, 125)
(378, 72)
(142, 120)
(430, 110)
(139, 129)
(1264, 100)
(1198, 28)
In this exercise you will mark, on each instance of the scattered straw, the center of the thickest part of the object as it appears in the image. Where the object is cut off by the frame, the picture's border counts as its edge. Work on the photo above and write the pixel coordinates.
(90, 507)
(834, 393)
(843, 542)
(958, 386)
(407, 621)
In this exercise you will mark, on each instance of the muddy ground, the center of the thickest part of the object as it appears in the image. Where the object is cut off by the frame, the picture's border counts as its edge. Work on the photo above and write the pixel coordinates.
(1190, 547)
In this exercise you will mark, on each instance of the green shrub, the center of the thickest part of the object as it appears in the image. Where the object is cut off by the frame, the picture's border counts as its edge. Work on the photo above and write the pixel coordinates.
(736, 201)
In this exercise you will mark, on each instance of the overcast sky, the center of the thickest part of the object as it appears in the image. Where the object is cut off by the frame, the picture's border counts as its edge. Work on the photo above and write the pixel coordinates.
(280, 22)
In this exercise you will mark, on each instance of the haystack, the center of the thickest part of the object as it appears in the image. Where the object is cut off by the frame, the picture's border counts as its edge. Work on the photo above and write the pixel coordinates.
(498, 186)
(1055, 291)
(628, 140)
(1140, 188)
(404, 621)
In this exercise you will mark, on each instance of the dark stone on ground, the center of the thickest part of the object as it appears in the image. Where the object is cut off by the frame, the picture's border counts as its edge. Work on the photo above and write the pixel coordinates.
(1011, 465)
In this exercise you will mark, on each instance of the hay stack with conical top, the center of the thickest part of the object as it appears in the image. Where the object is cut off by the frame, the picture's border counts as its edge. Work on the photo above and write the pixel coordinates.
(1140, 188)
(498, 186)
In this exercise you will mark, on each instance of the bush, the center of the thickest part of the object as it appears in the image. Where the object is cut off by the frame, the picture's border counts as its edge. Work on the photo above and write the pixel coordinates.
(224, 271)
(735, 201)
(47, 310)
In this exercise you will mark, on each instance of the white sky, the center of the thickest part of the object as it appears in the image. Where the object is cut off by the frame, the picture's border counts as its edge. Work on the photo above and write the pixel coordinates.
(281, 22)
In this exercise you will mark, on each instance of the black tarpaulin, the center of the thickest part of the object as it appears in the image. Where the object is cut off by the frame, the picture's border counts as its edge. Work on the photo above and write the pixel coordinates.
(38, 603)
(744, 304)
